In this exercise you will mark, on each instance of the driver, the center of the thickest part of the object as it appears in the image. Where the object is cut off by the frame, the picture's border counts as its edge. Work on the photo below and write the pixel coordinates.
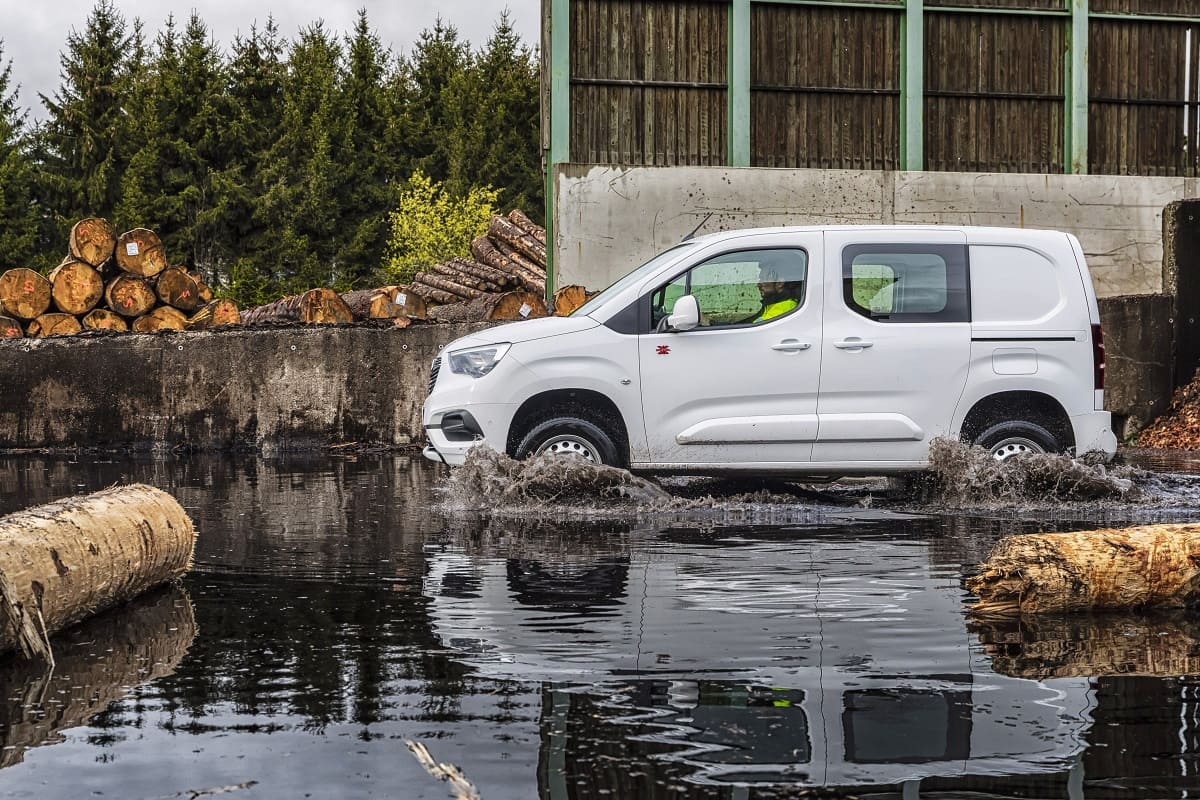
(777, 298)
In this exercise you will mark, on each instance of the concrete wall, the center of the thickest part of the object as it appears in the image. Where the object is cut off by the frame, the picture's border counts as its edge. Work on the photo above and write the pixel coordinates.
(610, 219)
(265, 388)
(1138, 358)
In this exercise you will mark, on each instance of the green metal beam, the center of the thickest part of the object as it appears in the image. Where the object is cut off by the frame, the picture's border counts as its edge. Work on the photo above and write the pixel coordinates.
(912, 86)
(738, 93)
(560, 119)
(1075, 116)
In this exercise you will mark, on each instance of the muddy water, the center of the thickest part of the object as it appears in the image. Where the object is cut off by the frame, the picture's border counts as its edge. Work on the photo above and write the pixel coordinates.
(338, 609)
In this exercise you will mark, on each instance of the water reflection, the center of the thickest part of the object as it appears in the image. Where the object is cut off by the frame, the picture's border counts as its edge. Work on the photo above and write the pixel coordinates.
(339, 613)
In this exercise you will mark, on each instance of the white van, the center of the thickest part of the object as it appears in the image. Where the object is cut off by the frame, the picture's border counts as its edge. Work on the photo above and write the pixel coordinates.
(822, 350)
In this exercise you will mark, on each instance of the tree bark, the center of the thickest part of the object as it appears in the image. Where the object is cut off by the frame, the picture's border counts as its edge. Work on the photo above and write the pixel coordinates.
(412, 303)
(324, 307)
(176, 287)
(101, 319)
(129, 296)
(53, 325)
(380, 303)
(528, 226)
(450, 272)
(448, 286)
(24, 294)
(65, 561)
(569, 298)
(214, 315)
(92, 241)
(493, 307)
(285, 309)
(522, 260)
(161, 318)
(499, 278)
(502, 230)
(10, 328)
(432, 295)
(140, 252)
(1149, 566)
(75, 286)
(486, 251)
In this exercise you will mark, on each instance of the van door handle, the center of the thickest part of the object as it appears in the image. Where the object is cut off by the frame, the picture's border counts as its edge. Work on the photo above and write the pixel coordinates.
(853, 343)
(791, 346)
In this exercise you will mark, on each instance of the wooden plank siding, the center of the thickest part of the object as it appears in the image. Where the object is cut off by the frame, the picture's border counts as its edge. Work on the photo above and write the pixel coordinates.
(994, 93)
(824, 87)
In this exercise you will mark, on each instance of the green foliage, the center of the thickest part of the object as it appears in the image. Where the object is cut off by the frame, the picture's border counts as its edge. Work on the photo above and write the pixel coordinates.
(430, 224)
(19, 223)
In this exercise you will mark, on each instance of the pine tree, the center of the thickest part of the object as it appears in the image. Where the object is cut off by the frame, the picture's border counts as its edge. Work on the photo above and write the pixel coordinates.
(438, 59)
(86, 125)
(19, 219)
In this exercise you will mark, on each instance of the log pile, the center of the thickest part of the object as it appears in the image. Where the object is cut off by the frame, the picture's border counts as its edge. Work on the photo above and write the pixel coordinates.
(108, 282)
(1179, 426)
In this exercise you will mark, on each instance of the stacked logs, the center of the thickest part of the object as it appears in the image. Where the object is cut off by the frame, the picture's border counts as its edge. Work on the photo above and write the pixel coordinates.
(109, 282)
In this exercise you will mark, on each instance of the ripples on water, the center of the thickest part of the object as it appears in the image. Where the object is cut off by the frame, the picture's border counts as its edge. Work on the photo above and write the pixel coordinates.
(336, 611)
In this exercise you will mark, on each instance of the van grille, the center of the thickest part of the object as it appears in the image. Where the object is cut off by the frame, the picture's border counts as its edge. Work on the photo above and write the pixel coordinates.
(433, 373)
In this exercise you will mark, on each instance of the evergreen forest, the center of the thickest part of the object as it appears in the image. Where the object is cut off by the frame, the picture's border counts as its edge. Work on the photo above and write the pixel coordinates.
(272, 165)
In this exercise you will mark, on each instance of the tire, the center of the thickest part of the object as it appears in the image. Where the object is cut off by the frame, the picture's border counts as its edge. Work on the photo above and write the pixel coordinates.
(1015, 437)
(570, 436)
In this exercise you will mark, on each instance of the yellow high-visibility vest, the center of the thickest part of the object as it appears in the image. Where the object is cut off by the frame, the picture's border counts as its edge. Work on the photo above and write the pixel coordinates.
(777, 309)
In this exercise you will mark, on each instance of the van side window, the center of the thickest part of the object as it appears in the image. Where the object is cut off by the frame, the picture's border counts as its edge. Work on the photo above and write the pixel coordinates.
(745, 287)
(907, 282)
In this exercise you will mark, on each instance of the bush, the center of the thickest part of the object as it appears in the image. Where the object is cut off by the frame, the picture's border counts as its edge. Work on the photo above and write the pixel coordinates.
(431, 225)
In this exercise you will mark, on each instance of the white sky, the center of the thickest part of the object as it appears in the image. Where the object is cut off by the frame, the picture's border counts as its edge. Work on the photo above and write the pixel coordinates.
(34, 32)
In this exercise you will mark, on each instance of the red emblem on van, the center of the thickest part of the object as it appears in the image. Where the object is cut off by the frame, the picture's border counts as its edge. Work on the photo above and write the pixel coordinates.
(664, 349)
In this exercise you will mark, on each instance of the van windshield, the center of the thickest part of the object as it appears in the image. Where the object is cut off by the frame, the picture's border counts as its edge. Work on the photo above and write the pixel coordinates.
(620, 285)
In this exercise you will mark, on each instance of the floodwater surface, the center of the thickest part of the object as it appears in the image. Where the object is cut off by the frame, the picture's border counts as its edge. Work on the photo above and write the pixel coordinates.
(341, 607)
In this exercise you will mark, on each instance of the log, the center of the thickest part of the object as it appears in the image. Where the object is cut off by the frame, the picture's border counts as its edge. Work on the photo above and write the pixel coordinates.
(10, 328)
(493, 307)
(161, 318)
(129, 296)
(24, 294)
(1143, 567)
(75, 286)
(482, 271)
(204, 291)
(323, 307)
(53, 325)
(65, 561)
(285, 309)
(412, 303)
(502, 230)
(446, 285)
(528, 226)
(374, 304)
(92, 241)
(1043, 646)
(176, 287)
(522, 261)
(448, 271)
(215, 315)
(99, 661)
(140, 252)
(486, 251)
(569, 298)
(101, 319)
(431, 295)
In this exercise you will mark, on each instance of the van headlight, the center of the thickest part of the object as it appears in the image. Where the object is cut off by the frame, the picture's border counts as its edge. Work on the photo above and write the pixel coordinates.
(477, 361)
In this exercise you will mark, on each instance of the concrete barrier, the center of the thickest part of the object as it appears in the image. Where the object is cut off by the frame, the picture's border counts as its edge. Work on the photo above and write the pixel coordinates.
(1138, 342)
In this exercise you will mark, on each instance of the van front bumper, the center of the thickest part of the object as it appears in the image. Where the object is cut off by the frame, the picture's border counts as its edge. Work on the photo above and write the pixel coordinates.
(454, 430)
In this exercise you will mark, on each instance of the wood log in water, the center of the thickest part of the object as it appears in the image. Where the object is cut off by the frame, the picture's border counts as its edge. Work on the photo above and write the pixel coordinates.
(1143, 567)
(129, 296)
(569, 298)
(10, 328)
(323, 307)
(53, 325)
(65, 561)
(493, 307)
(92, 241)
(502, 230)
(216, 314)
(101, 319)
(75, 286)
(518, 218)
(24, 294)
(99, 661)
(161, 318)
(140, 252)
(176, 287)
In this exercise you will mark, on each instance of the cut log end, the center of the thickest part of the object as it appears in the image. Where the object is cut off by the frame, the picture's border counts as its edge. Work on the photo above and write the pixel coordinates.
(324, 307)
(76, 287)
(569, 298)
(24, 294)
(92, 241)
(176, 287)
(54, 325)
(216, 314)
(140, 252)
(101, 319)
(162, 318)
(10, 328)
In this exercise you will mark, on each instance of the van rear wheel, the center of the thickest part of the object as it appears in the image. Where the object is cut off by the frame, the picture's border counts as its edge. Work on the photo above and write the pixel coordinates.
(570, 436)
(1015, 437)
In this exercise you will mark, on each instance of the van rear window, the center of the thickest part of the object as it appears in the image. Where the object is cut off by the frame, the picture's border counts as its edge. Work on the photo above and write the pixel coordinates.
(907, 282)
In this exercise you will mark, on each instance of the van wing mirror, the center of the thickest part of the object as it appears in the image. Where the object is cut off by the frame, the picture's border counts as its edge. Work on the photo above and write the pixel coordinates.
(685, 315)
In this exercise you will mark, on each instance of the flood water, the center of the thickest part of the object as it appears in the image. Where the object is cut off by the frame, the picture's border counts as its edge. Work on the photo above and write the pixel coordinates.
(336, 611)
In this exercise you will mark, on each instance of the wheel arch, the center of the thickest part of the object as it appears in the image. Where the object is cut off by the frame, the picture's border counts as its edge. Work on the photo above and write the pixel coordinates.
(1022, 405)
(596, 407)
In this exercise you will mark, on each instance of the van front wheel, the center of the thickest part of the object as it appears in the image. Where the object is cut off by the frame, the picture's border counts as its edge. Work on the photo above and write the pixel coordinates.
(1014, 438)
(570, 436)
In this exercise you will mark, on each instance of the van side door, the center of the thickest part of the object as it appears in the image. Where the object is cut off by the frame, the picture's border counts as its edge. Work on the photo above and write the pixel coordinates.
(741, 388)
(897, 344)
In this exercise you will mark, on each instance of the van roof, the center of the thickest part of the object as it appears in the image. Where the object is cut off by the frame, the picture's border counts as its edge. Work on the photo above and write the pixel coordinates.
(973, 232)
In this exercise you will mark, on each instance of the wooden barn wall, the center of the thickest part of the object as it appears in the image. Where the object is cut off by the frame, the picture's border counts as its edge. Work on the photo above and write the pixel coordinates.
(824, 87)
(648, 82)
(649, 85)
